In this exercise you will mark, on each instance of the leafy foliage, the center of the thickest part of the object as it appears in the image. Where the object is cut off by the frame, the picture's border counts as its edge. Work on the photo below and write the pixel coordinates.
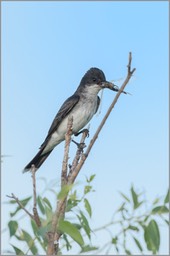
(152, 236)
(67, 227)
(134, 221)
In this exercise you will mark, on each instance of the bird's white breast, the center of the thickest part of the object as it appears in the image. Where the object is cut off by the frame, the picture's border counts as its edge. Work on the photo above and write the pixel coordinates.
(81, 113)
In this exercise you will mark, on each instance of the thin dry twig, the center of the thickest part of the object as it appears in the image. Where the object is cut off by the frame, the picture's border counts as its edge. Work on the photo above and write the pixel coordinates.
(66, 151)
(35, 215)
(35, 212)
(72, 173)
(20, 204)
(33, 170)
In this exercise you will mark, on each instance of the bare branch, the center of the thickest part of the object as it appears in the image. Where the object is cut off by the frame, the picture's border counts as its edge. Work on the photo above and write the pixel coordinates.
(33, 170)
(50, 247)
(20, 204)
(35, 215)
(66, 151)
(73, 170)
(130, 72)
(35, 212)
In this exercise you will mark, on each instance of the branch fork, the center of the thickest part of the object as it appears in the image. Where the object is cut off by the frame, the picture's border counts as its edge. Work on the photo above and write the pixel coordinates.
(35, 215)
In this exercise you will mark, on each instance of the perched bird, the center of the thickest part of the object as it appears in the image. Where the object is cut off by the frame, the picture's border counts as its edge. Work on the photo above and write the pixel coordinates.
(82, 105)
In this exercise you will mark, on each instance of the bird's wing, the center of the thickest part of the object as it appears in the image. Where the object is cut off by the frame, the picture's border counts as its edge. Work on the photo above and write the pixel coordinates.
(62, 113)
(98, 103)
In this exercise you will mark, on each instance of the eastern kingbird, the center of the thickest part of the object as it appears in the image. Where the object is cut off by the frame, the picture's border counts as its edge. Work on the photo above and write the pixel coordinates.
(82, 105)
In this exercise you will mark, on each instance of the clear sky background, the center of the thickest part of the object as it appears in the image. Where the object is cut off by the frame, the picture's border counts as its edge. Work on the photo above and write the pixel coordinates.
(46, 49)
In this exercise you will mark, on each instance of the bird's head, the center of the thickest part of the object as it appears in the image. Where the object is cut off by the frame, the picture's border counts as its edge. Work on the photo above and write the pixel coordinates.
(95, 78)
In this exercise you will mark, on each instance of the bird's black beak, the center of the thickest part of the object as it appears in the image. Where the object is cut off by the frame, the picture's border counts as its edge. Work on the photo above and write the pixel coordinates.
(111, 86)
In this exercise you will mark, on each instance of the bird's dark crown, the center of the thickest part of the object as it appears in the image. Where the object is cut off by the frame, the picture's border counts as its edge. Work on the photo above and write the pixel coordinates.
(93, 76)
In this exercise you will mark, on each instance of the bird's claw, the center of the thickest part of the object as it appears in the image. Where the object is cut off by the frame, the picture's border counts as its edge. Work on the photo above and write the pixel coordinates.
(81, 146)
(86, 131)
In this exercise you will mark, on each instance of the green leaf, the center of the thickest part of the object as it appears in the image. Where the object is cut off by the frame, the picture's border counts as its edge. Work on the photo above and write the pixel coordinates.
(12, 201)
(35, 228)
(23, 202)
(125, 197)
(17, 250)
(140, 203)
(71, 204)
(152, 236)
(26, 237)
(64, 191)
(40, 232)
(138, 244)
(160, 210)
(20, 238)
(87, 189)
(30, 241)
(122, 207)
(142, 223)
(71, 230)
(128, 252)
(166, 200)
(48, 213)
(13, 226)
(77, 225)
(88, 207)
(43, 230)
(39, 199)
(88, 248)
(146, 218)
(68, 245)
(84, 223)
(117, 248)
(73, 195)
(114, 240)
(156, 200)
(166, 221)
(47, 202)
(91, 178)
(12, 214)
(133, 228)
(134, 197)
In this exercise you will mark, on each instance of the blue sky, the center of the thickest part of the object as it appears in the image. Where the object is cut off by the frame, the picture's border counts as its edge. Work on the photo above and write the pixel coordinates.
(46, 49)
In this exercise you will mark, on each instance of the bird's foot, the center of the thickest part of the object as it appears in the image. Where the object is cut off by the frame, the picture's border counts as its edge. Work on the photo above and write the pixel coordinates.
(86, 131)
(81, 146)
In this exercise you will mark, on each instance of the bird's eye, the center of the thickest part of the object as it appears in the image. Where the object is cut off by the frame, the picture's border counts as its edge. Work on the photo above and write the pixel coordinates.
(94, 79)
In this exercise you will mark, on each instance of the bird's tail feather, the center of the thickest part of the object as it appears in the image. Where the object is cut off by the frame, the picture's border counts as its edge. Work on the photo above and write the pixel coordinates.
(37, 161)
